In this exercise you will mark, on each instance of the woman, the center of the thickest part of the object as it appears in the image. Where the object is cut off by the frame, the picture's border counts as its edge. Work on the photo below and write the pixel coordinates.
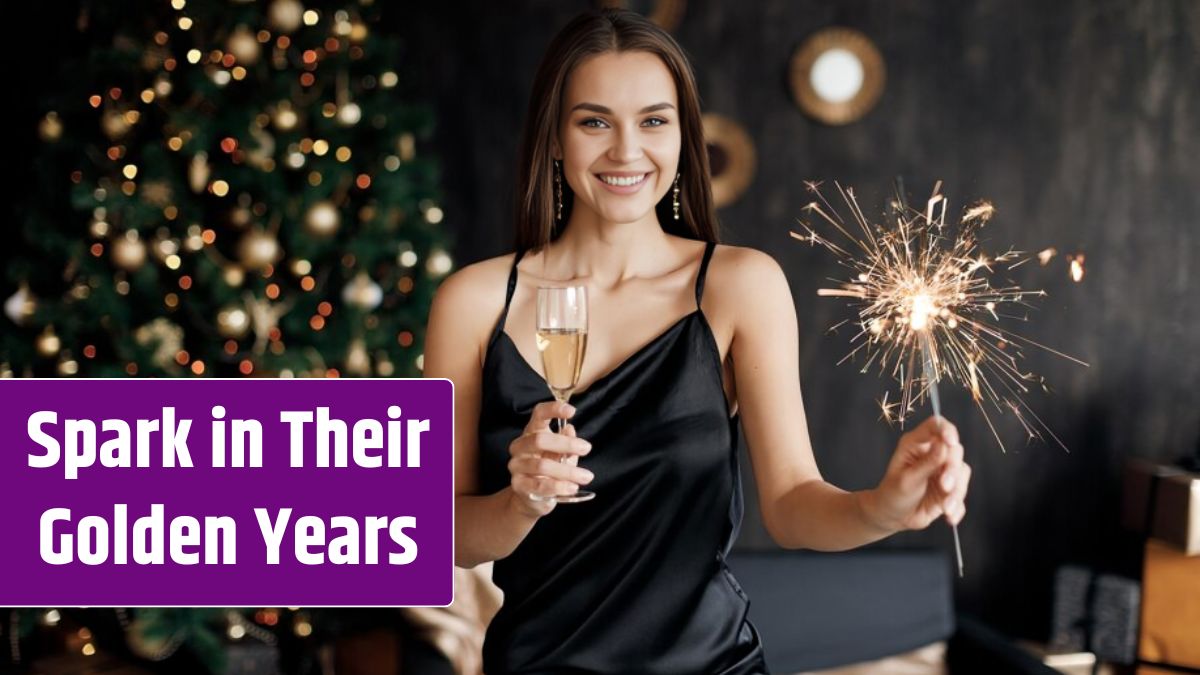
(685, 336)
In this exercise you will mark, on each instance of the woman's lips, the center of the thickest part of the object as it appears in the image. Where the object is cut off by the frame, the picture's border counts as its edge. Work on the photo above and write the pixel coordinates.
(624, 178)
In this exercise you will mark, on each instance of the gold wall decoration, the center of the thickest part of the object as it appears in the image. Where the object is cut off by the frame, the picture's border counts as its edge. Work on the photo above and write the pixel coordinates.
(666, 13)
(837, 75)
(731, 158)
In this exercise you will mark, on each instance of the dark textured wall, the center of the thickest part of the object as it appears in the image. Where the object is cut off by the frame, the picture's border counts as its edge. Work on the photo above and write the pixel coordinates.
(1079, 119)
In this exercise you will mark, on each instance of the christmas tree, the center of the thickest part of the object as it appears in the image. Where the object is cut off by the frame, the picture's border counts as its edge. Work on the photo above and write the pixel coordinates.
(233, 189)
(228, 189)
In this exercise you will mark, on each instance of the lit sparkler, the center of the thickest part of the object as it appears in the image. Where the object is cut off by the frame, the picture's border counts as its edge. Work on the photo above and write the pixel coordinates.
(918, 290)
(925, 301)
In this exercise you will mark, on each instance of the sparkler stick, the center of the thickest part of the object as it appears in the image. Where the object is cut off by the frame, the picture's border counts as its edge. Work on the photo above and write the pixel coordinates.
(936, 401)
(921, 310)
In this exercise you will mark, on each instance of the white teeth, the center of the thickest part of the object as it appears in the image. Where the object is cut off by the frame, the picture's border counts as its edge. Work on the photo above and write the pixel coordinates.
(623, 182)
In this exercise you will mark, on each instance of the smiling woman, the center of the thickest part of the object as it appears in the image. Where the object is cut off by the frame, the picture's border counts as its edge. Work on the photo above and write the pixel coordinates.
(614, 197)
(622, 111)
(621, 151)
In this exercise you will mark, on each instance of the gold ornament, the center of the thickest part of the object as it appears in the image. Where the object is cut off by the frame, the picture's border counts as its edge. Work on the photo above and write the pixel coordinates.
(21, 305)
(357, 361)
(165, 337)
(384, 365)
(407, 145)
(349, 114)
(258, 249)
(285, 16)
(157, 193)
(67, 366)
(162, 87)
(362, 293)
(285, 117)
(264, 316)
(114, 125)
(240, 217)
(244, 46)
(438, 263)
(129, 252)
(152, 58)
(261, 157)
(233, 276)
(322, 219)
(233, 322)
(50, 128)
(48, 344)
(194, 242)
(198, 172)
(164, 247)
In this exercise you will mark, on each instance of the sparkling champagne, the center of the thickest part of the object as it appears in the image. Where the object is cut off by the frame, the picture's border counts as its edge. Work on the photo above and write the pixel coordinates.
(561, 332)
(562, 351)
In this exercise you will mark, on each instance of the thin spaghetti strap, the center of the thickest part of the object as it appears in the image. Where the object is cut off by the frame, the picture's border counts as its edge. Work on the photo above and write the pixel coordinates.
(708, 251)
(512, 287)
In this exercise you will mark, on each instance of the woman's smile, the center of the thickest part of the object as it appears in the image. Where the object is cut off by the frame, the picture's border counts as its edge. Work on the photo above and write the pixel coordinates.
(623, 183)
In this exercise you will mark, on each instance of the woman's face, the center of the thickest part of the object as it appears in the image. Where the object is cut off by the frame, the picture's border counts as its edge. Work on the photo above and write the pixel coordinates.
(620, 134)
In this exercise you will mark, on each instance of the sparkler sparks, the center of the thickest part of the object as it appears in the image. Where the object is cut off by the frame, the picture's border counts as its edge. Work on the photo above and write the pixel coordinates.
(1076, 267)
(927, 308)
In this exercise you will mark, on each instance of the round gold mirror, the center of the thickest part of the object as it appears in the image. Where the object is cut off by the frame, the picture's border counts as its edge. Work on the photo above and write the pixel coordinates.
(731, 158)
(666, 13)
(837, 76)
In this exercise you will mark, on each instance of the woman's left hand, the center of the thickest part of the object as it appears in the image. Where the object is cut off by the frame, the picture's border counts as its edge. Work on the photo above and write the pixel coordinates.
(926, 478)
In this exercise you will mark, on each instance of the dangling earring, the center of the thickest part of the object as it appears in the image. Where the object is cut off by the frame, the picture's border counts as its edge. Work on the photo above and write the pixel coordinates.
(675, 200)
(558, 188)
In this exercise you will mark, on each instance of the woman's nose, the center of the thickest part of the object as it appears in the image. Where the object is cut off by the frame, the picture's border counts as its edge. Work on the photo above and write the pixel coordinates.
(626, 146)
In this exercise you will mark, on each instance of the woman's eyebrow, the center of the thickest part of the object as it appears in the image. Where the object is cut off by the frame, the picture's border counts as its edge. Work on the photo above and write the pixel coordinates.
(597, 108)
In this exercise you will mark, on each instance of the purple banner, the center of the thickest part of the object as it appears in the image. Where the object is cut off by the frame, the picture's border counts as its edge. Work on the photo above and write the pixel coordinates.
(233, 493)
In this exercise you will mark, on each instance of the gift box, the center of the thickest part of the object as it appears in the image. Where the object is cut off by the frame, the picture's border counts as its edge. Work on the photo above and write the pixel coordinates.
(1069, 622)
(1115, 607)
(1096, 612)
(1177, 513)
(1162, 501)
(1170, 607)
(1139, 492)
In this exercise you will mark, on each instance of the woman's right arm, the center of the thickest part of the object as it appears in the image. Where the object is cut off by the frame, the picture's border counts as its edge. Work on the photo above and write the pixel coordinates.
(488, 527)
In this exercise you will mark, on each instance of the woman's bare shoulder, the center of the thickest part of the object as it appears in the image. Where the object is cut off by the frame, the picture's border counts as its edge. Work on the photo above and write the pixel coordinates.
(740, 269)
(478, 285)
(469, 301)
(744, 282)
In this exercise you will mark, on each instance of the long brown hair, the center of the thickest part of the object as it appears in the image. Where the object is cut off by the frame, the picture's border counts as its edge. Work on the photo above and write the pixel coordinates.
(589, 34)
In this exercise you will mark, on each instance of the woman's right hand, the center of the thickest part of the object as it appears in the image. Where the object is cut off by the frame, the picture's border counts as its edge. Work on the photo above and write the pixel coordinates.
(535, 463)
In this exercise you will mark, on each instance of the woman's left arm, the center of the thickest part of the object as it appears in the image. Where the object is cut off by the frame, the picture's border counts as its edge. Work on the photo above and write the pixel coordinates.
(926, 477)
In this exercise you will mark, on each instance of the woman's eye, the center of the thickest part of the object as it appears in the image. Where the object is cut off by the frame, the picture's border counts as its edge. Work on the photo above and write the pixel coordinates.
(593, 122)
(655, 122)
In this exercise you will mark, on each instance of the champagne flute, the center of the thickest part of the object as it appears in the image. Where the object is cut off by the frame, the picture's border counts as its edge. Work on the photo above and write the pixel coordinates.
(562, 322)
